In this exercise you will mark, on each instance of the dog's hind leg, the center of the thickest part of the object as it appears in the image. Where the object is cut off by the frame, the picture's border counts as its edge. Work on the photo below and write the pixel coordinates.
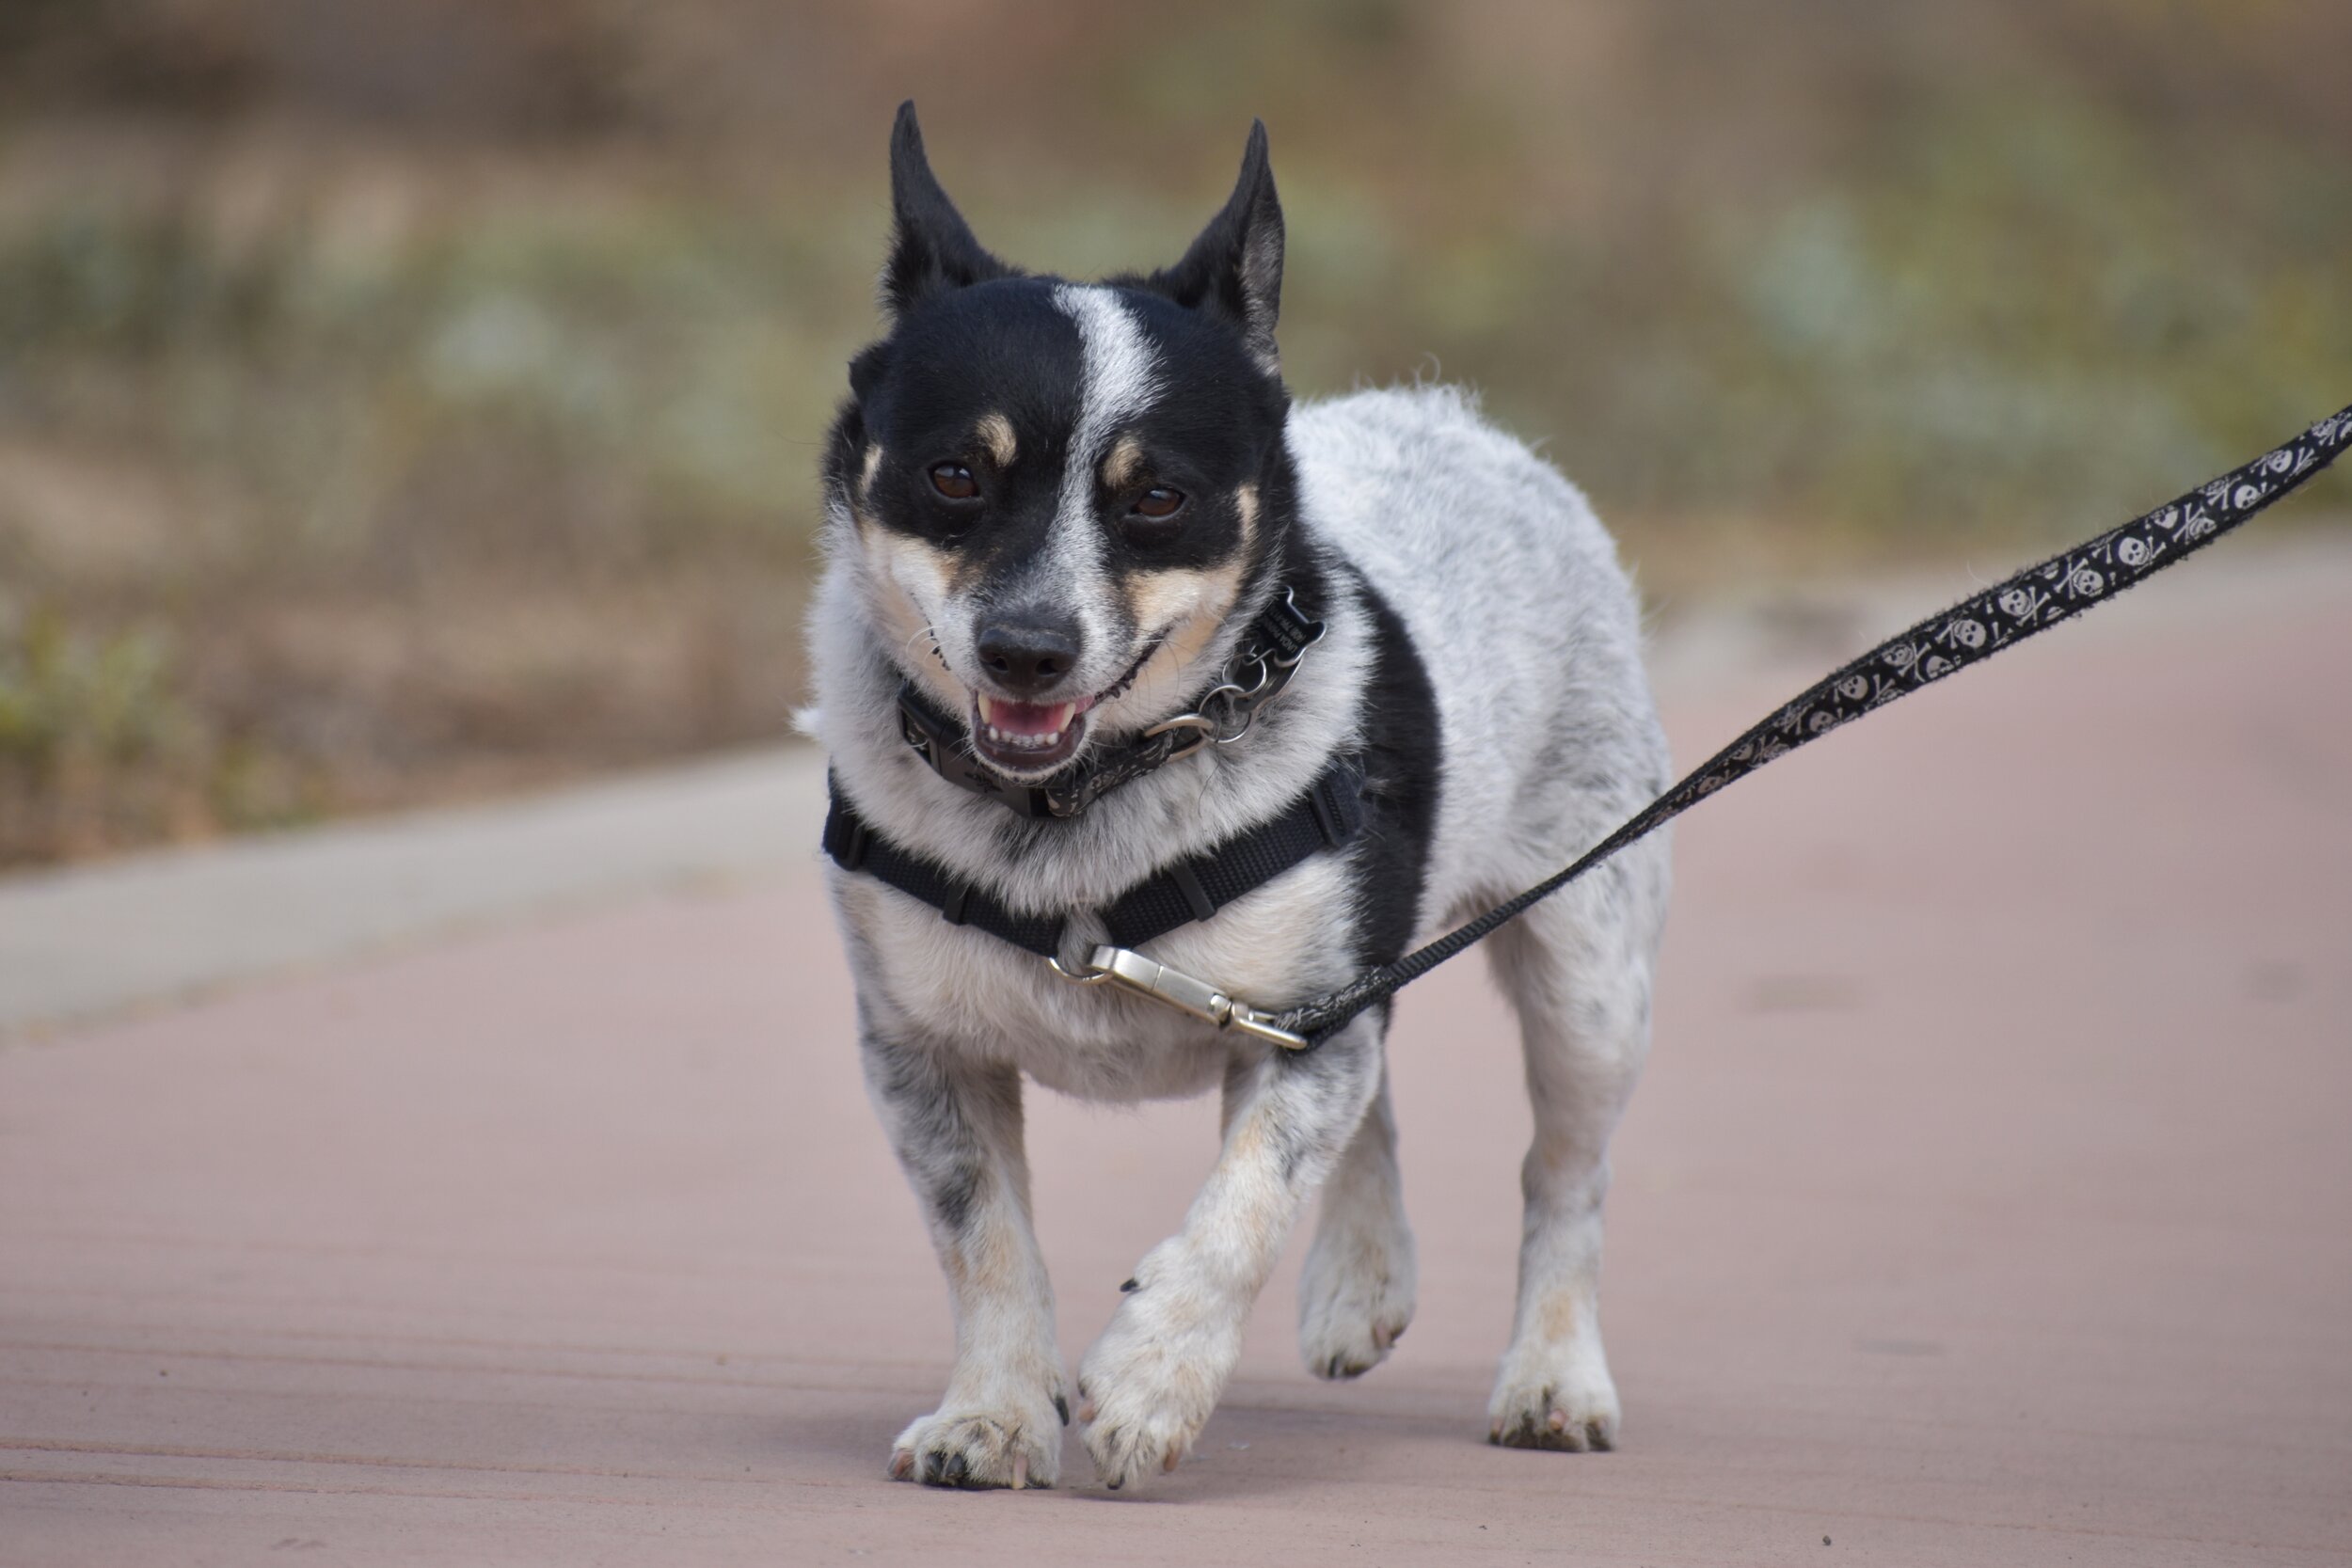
(1578, 968)
(1356, 1291)
(1149, 1384)
(957, 1128)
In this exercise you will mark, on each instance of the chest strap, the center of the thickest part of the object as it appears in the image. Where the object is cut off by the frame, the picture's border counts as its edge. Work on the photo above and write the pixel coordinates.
(1327, 817)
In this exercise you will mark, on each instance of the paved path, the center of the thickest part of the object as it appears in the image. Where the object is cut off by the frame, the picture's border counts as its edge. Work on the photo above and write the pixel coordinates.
(1987, 1201)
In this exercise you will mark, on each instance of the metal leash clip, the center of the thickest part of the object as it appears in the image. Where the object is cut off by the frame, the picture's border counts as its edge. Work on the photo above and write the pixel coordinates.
(1131, 971)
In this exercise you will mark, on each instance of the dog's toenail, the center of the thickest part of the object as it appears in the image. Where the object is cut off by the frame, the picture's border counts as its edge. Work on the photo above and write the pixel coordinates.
(1061, 1408)
(1559, 1420)
(959, 1470)
(1169, 1465)
(1126, 1286)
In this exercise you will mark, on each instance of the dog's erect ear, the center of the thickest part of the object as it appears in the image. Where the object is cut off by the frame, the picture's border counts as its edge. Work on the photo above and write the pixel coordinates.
(1234, 268)
(932, 249)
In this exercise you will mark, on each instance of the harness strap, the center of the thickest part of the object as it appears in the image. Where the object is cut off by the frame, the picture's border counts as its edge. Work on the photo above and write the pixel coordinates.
(1327, 817)
(855, 846)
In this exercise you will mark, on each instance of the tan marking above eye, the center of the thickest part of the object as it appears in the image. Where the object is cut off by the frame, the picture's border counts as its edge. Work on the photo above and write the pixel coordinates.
(1121, 463)
(995, 433)
(873, 466)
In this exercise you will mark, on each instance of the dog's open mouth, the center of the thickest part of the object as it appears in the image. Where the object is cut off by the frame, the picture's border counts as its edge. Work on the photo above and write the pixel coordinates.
(1026, 737)
(1028, 740)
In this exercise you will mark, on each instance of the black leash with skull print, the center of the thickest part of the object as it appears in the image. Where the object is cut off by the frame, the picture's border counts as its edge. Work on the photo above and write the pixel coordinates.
(1944, 645)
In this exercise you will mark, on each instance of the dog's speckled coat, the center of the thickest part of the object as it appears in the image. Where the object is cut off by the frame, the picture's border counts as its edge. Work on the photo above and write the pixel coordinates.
(1483, 656)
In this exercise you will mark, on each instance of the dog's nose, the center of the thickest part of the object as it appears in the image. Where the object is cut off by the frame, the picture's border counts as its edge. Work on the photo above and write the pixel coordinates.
(1028, 656)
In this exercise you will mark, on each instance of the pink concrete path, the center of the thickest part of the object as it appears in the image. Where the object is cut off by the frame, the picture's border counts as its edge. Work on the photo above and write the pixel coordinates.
(1989, 1201)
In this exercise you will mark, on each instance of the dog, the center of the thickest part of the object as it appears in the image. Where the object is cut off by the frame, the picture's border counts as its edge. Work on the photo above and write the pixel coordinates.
(1058, 520)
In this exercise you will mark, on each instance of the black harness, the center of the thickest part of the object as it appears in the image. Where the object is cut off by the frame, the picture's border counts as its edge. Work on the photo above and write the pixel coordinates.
(1327, 817)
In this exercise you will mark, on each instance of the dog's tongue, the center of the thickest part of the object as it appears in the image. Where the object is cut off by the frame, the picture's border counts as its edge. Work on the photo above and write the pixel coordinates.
(1027, 718)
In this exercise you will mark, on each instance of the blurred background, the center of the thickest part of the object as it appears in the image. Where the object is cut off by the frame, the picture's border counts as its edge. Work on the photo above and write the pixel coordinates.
(412, 399)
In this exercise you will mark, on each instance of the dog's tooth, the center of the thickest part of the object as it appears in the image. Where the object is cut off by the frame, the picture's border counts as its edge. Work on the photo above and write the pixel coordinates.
(1053, 739)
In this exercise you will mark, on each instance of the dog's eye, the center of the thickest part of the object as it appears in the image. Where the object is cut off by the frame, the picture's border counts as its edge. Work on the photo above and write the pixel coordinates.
(955, 482)
(1158, 504)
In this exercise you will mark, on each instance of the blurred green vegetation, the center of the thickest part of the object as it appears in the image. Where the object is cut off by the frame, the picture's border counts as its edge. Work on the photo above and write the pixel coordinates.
(407, 398)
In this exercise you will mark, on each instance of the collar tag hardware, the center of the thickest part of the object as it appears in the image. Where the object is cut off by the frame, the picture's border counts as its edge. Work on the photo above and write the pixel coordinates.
(1131, 971)
(1284, 630)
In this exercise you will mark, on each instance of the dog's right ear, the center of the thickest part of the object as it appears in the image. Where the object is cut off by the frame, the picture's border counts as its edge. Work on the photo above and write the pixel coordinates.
(931, 247)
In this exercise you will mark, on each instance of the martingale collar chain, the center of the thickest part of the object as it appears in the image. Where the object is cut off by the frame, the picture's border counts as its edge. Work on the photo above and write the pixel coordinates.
(1261, 665)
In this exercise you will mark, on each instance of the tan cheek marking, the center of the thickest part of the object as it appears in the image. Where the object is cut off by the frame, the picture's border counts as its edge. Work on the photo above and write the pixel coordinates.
(1126, 456)
(873, 466)
(1245, 503)
(897, 561)
(996, 434)
(1192, 604)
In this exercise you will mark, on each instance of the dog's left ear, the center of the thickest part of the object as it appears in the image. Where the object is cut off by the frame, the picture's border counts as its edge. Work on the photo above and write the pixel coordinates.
(1234, 269)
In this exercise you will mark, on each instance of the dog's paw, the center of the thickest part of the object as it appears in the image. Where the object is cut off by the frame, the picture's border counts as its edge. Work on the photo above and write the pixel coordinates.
(1148, 1386)
(981, 1447)
(1355, 1301)
(1562, 1399)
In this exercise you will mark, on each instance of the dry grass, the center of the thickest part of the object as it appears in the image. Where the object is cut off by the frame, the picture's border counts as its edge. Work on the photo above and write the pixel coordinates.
(426, 403)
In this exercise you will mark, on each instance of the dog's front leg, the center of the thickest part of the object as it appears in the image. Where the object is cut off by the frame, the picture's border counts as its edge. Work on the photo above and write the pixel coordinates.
(956, 1126)
(1149, 1384)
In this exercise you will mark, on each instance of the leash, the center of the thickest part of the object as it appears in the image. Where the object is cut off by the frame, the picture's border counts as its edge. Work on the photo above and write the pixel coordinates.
(1970, 632)
(2031, 602)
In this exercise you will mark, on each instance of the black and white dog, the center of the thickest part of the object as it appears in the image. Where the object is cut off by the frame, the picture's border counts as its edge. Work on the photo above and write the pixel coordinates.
(1060, 515)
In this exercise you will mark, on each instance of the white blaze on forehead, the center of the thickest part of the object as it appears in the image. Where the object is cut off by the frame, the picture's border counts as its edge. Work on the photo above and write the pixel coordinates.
(1118, 376)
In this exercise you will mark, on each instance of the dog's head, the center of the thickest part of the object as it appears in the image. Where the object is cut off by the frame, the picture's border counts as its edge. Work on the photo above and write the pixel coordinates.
(1059, 491)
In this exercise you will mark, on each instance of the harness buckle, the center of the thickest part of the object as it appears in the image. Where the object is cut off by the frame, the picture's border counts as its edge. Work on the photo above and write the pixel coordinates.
(1132, 971)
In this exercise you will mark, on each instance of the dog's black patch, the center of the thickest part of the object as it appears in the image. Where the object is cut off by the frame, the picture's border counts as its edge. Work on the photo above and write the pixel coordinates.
(1402, 779)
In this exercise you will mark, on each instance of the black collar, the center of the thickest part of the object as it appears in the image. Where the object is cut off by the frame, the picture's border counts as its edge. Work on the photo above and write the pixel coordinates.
(1277, 636)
